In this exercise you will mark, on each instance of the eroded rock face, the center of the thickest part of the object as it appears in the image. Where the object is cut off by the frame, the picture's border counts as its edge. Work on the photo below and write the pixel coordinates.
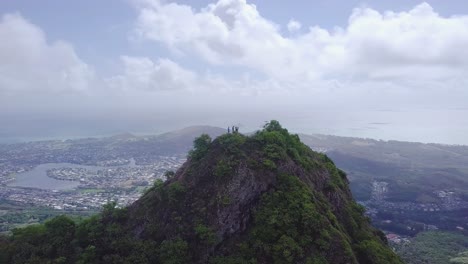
(241, 192)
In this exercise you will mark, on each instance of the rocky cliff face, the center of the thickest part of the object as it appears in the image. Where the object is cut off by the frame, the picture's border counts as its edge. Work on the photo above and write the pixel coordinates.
(262, 199)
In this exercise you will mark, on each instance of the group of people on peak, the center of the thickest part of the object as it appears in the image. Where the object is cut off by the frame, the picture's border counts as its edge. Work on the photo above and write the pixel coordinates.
(234, 129)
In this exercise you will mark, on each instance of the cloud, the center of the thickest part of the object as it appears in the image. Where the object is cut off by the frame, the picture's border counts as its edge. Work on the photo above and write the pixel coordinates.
(29, 63)
(227, 32)
(294, 25)
(142, 74)
(418, 44)
(416, 48)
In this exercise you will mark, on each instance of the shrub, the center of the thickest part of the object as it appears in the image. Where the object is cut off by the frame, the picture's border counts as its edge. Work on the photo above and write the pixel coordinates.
(205, 234)
(174, 251)
(200, 147)
(223, 168)
(175, 191)
(269, 164)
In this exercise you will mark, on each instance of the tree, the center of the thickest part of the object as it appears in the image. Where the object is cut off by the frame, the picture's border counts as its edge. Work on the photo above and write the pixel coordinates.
(169, 174)
(200, 146)
(273, 125)
(173, 251)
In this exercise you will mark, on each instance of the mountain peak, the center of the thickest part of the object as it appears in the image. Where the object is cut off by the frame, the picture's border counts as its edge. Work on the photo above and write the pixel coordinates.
(264, 198)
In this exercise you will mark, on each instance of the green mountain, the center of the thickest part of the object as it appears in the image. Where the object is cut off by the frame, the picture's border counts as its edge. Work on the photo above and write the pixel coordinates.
(266, 198)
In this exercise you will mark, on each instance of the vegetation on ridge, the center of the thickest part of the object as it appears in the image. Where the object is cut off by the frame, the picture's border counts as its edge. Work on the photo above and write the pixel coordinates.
(267, 198)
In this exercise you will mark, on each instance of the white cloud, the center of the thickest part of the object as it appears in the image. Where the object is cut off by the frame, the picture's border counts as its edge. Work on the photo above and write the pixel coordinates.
(294, 25)
(141, 73)
(417, 48)
(418, 44)
(29, 63)
(228, 32)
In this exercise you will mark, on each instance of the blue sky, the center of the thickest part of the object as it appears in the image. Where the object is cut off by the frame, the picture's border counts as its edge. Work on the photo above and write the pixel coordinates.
(381, 69)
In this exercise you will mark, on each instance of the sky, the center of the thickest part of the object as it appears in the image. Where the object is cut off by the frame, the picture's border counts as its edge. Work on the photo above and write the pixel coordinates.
(377, 69)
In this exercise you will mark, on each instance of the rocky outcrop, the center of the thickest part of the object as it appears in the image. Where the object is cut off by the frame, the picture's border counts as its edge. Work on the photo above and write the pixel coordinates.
(223, 187)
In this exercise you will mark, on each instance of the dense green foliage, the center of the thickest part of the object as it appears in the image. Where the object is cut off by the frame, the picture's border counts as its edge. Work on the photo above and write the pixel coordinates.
(435, 247)
(267, 198)
(14, 215)
(200, 146)
(461, 258)
(288, 223)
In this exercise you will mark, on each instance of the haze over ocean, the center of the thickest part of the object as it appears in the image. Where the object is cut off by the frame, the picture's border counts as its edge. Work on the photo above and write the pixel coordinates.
(426, 126)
